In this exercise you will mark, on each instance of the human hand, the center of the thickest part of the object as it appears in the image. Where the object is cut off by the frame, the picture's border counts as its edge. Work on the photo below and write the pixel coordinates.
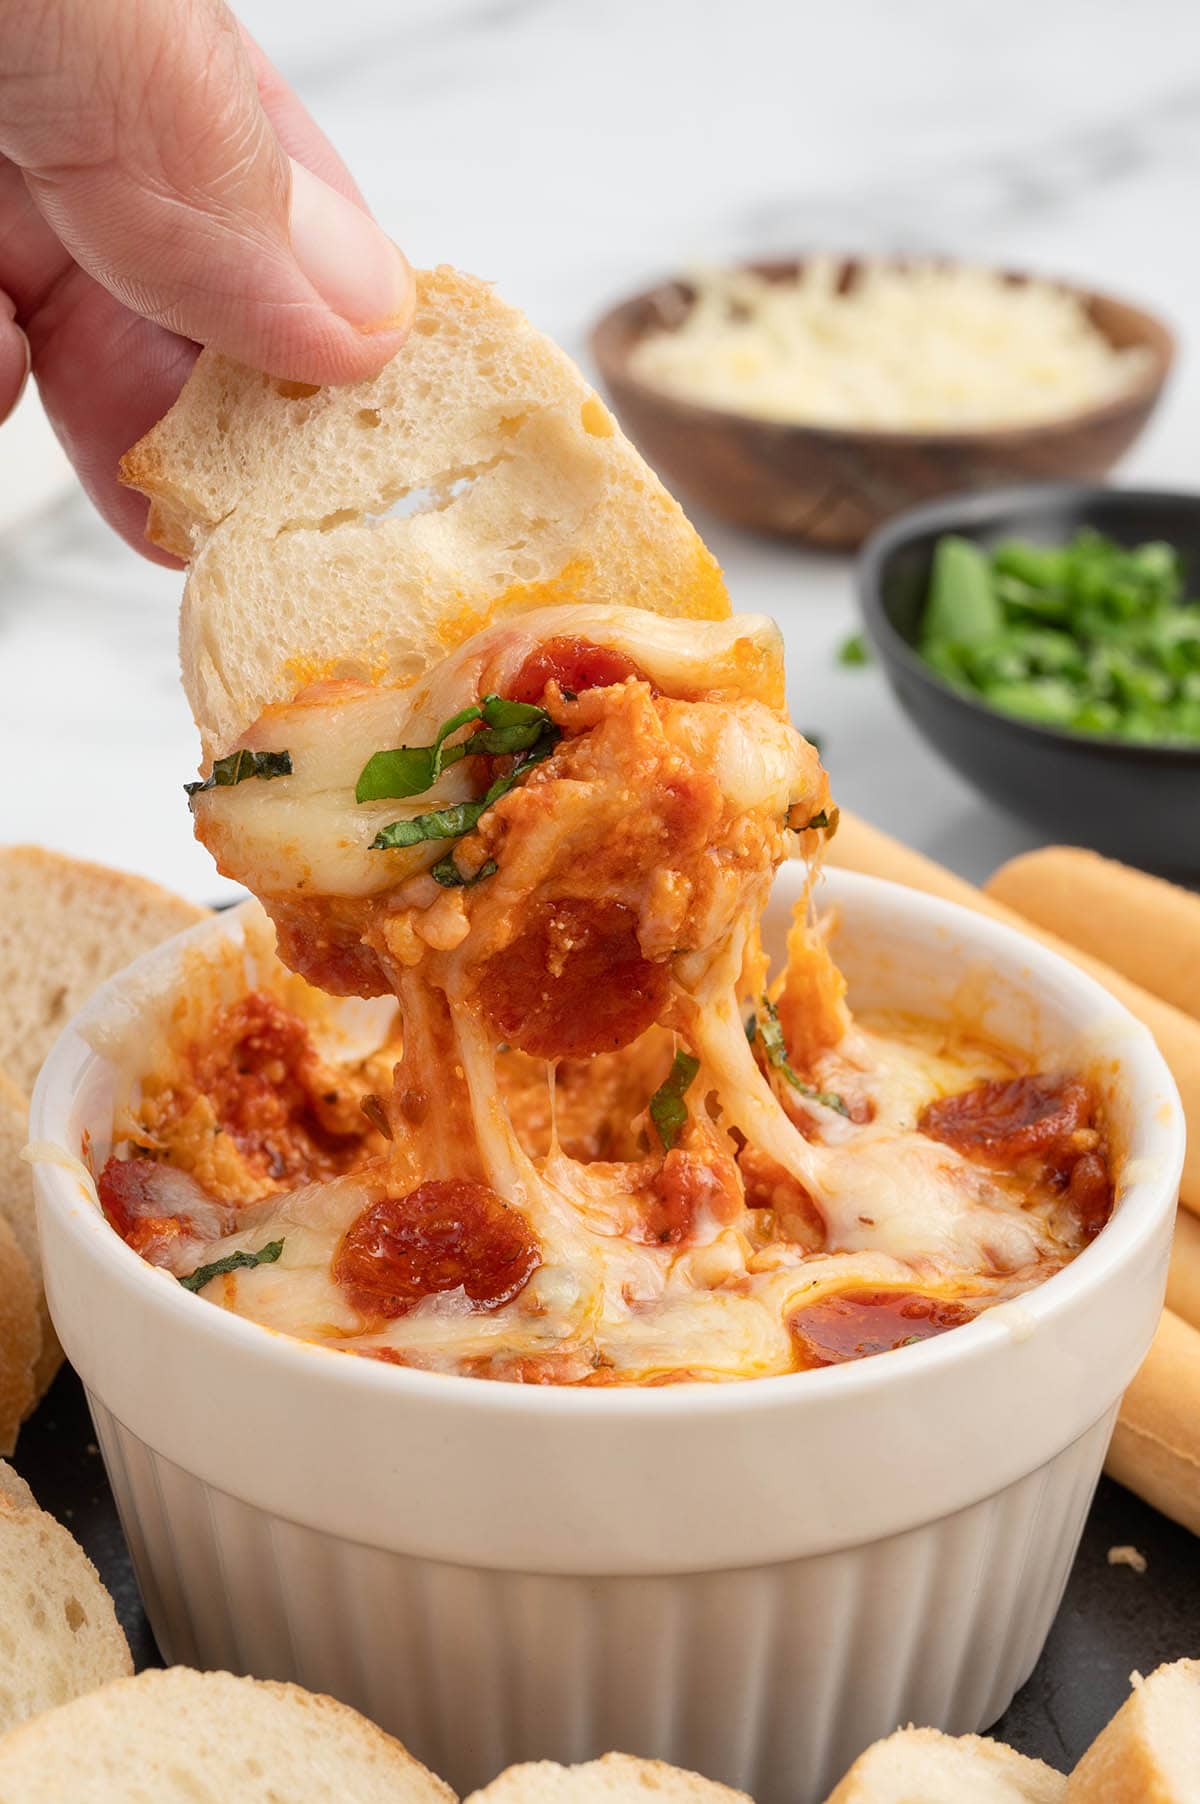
(162, 187)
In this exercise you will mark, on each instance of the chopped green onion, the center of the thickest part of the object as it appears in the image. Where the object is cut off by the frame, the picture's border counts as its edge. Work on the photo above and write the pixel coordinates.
(237, 766)
(232, 1262)
(854, 650)
(668, 1110)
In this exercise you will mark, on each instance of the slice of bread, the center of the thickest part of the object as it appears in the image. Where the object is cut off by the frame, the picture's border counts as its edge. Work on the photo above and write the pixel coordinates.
(181, 1737)
(367, 530)
(922, 1766)
(64, 927)
(1150, 1751)
(18, 1225)
(613, 1779)
(20, 1336)
(59, 1634)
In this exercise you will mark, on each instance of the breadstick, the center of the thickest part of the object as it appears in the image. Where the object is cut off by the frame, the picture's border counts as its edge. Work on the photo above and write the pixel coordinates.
(859, 847)
(1155, 1447)
(1146, 929)
(1183, 1282)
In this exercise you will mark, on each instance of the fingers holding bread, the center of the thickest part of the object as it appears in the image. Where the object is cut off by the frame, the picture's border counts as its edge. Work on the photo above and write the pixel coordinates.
(178, 1737)
(59, 1635)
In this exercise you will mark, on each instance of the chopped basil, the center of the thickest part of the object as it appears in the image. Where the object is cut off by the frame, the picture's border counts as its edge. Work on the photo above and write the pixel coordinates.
(237, 766)
(668, 1110)
(766, 1028)
(409, 770)
(460, 817)
(447, 873)
(232, 1262)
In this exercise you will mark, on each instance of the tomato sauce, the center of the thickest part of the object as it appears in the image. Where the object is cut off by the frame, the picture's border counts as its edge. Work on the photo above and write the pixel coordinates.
(856, 1324)
(574, 982)
(447, 1234)
(574, 664)
(687, 1185)
(287, 1112)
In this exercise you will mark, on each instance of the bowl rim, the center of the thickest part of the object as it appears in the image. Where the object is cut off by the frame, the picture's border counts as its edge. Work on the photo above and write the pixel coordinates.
(969, 512)
(1160, 340)
(1129, 1231)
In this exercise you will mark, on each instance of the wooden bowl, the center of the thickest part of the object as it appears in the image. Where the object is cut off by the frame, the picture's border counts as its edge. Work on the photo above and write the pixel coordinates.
(832, 486)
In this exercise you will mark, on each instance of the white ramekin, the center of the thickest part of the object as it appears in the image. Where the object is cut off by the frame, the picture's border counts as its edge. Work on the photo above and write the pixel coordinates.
(754, 1580)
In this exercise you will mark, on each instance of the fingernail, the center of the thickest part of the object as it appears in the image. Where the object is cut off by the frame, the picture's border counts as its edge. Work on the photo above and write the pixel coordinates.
(352, 264)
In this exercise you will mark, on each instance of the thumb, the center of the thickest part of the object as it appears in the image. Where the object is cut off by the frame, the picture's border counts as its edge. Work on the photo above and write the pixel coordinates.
(143, 141)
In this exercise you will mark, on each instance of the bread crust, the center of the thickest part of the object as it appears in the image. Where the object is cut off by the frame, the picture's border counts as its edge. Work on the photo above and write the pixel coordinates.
(1030, 1779)
(85, 1748)
(1124, 1765)
(370, 529)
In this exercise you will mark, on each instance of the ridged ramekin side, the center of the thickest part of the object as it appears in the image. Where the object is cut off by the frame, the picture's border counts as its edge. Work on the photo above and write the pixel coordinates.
(771, 1678)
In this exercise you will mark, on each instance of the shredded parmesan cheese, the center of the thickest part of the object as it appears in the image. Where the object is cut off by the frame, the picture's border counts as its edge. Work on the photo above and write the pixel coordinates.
(928, 347)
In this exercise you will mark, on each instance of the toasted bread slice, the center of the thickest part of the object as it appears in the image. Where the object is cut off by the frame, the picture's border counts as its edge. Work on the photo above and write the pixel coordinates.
(64, 927)
(1150, 1751)
(178, 1737)
(20, 1335)
(923, 1764)
(18, 1226)
(367, 530)
(59, 1634)
(613, 1779)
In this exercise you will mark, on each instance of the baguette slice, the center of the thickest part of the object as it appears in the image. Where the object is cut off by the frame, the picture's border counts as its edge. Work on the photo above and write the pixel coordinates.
(20, 1336)
(1150, 1751)
(922, 1766)
(613, 1779)
(365, 531)
(64, 927)
(181, 1737)
(59, 1634)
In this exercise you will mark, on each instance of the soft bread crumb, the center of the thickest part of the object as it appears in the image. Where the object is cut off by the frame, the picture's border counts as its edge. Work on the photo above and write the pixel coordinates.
(1127, 1556)
(59, 1635)
(922, 1766)
(1150, 1751)
(613, 1779)
(368, 530)
(180, 1737)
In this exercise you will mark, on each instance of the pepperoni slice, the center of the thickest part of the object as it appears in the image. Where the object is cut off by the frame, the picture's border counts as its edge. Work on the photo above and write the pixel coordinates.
(447, 1234)
(1005, 1121)
(855, 1324)
(574, 982)
(574, 664)
(152, 1205)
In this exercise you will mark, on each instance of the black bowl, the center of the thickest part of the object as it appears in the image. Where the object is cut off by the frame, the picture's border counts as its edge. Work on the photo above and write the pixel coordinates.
(1139, 803)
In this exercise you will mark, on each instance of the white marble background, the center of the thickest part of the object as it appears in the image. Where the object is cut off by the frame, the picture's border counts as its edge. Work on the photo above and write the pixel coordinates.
(571, 150)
